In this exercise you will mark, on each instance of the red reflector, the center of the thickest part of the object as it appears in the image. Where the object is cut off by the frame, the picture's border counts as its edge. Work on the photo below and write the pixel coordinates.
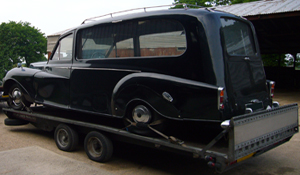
(221, 99)
(234, 162)
(211, 164)
(272, 89)
(273, 86)
(221, 106)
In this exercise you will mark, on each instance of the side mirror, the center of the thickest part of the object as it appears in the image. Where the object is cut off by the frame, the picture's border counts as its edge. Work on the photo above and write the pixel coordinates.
(19, 65)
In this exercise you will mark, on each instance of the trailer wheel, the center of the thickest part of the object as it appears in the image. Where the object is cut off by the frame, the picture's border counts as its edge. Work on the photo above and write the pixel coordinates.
(98, 147)
(65, 137)
(16, 98)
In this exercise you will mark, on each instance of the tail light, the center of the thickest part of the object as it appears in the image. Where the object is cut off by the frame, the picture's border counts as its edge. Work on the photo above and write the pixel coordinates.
(272, 88)
(221, 98)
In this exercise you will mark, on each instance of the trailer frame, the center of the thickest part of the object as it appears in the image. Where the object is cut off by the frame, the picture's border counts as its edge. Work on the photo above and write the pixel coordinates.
(273, 127)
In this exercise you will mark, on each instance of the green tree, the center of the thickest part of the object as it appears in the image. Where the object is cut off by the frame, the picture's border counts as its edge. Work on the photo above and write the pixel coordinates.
(20, 42)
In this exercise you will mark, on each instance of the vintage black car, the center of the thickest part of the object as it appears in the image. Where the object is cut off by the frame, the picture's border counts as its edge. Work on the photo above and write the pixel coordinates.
(179, 64)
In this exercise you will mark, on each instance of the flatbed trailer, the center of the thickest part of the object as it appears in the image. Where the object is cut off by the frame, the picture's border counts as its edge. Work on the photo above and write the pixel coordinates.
(243, 137)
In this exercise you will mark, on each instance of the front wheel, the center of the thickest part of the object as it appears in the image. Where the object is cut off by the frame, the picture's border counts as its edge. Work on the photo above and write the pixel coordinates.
(16, 99)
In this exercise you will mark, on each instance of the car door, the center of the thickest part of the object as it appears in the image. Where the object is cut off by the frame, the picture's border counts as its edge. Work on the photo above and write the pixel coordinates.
(53, 83)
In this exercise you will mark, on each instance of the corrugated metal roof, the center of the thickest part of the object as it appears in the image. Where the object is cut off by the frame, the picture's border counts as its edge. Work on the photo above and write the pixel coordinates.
(262, 7)
(252, 8)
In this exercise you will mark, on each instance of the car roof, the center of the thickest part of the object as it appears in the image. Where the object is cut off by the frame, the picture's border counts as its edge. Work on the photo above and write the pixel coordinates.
(115, 19)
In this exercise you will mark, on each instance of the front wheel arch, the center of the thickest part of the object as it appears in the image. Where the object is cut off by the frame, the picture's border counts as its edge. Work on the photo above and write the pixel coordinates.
(11, 82)
(17, 98)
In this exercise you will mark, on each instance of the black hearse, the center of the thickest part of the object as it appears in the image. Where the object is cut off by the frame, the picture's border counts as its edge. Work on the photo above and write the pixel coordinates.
(177, 64)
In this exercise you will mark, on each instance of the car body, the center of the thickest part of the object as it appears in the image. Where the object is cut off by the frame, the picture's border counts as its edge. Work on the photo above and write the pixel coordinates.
(179, 64)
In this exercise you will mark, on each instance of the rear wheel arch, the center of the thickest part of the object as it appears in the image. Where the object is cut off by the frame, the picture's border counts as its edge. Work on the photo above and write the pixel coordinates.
(148, 96)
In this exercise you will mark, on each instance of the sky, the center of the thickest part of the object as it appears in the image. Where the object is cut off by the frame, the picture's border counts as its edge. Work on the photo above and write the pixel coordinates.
(52, 16)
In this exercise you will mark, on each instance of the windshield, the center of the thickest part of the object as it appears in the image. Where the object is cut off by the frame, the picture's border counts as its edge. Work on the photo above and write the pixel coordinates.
(238, 37)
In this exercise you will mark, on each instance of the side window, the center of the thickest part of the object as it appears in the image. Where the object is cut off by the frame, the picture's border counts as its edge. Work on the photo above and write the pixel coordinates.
(110, 41)
(123, 49)
(64, 49)
(155, 37)
(162, 38)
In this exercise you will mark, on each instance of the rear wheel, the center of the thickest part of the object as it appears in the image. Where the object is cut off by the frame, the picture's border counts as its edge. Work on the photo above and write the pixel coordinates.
(142, 115)
(98, 147)
(65, 137)
(16, 98)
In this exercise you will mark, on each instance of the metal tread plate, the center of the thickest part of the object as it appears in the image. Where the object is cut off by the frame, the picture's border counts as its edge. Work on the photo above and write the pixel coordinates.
(255, 131)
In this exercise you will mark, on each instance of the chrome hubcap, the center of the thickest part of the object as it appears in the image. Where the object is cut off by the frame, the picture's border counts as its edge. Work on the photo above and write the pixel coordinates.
(16, 96)
(141, 114)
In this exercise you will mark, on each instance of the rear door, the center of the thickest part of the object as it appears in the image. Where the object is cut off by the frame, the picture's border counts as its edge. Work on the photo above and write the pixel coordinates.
(244, 71)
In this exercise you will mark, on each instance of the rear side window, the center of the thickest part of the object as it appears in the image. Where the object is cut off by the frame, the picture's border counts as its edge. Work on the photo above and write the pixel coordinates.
(156, 37)
(161, 38)
(238, 37)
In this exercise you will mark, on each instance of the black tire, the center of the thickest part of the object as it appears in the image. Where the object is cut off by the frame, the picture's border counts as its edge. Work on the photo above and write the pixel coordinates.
(141, 127)
(98, 147)
(15, 122)
(16, 98)
(66, 138)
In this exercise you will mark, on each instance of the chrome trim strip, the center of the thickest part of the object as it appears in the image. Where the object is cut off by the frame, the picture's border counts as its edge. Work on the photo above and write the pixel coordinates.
(249, 110)
(63, 67)
(275, 104)
(111, 69)
(225, 124)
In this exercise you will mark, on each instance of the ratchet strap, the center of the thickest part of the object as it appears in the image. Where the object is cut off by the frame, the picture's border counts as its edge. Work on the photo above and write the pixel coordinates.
(172, 139)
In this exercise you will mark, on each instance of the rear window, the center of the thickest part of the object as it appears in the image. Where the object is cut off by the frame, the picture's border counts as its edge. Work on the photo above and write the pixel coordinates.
(155, 37)
(238, 37)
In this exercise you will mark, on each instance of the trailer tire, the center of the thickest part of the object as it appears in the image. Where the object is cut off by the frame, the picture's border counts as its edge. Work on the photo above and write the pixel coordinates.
(65, 137)
(98, 147)
(15, 122)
